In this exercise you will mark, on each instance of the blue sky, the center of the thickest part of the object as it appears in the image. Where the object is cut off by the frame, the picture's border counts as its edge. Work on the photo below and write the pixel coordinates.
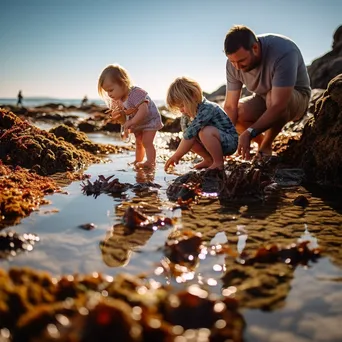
(58, 48)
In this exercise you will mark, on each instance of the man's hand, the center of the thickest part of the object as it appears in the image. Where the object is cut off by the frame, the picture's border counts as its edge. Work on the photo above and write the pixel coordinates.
(244, 145)
(171, 162)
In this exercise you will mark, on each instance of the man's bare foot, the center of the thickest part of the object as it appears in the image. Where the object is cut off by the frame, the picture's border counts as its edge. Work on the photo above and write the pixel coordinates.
(145, 165)
(216, 166)
(203, 164)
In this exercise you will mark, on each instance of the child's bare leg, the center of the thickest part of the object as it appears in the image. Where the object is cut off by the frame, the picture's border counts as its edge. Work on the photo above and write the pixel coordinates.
(139, 148)
(147, 140)
(210, 138)
(201, 151)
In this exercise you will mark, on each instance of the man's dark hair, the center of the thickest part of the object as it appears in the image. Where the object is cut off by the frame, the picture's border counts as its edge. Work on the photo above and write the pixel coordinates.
(239, 36)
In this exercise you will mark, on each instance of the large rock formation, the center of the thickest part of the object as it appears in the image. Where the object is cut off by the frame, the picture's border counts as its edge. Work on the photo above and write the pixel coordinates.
(324, 68)
(319, 151)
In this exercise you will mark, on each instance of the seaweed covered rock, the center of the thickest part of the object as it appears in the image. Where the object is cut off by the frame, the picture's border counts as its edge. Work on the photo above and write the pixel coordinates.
(81, 141)
(28, 146)
(238, 181)
(36, 307)
(21, 192)
(319, 151)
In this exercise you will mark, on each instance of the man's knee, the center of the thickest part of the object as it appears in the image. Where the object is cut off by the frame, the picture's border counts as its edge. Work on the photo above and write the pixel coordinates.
(296, 107)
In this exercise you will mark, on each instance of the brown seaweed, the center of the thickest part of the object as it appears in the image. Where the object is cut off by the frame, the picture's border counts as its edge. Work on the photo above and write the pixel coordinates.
(96, 307)
(133, 219)
(11, 243)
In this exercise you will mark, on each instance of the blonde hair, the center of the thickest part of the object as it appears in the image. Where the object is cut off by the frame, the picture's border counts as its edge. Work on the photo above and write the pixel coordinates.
(117, 74)
(184, 91)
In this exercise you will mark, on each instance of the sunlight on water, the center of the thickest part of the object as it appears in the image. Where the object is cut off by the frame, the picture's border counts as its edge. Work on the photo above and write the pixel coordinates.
(301, 300)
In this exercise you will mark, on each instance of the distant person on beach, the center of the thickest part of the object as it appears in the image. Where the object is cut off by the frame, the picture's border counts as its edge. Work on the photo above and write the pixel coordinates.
(20, 99)
(141, 115)
(84, 101)
(271, 67)
(207, 130)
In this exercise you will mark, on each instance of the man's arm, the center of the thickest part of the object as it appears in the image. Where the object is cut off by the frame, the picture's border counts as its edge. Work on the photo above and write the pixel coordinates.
(275, 113)
(231, 104)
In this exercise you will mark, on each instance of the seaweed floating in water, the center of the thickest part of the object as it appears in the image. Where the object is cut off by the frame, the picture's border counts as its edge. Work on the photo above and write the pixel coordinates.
(134, 219)
(293, 254)
(104, 185)
(183, 247)
(12, 243)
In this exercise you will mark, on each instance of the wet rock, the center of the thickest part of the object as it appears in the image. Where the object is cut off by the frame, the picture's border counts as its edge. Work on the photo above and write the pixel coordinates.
(87, 127)
(171, 125)
(87, 226)
(184, 187)
(238, 181)
(301, 201)
(111, 127)
(318, 151)
(174, 143)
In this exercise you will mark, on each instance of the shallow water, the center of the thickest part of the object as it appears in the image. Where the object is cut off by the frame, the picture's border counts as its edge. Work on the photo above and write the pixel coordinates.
(299, 304)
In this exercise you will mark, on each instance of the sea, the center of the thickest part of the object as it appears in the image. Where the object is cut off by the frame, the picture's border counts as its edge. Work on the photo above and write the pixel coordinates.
(39, 101)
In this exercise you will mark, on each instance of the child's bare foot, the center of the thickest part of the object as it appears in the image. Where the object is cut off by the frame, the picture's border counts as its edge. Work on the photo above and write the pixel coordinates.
(216, 166)
(144, 165)
(203, 164)
(133, 163)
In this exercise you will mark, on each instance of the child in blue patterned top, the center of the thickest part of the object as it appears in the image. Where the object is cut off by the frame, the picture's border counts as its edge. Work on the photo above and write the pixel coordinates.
(209, 132)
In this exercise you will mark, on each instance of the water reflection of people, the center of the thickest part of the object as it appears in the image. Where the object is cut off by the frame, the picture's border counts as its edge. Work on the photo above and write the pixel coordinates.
(84, 101)
(20, 99)
(145, 175)
(118, 246)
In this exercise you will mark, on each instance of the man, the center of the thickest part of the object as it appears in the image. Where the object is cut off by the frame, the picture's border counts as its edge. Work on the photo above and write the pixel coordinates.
(272, 68)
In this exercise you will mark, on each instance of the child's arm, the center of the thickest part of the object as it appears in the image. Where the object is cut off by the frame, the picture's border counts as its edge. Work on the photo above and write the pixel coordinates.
(183, 148)
(141, 113)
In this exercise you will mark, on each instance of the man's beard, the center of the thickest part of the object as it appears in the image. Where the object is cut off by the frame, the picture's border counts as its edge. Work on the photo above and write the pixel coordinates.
(255, 62)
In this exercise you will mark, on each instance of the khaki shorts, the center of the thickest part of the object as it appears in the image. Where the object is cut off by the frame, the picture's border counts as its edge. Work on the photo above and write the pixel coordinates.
(296, 108)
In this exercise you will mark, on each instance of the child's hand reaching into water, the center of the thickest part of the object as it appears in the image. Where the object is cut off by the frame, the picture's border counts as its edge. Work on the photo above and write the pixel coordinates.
(128, 125)
(171, 162)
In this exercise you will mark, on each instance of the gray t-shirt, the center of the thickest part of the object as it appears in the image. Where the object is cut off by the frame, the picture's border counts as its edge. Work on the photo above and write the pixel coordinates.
(282, 65)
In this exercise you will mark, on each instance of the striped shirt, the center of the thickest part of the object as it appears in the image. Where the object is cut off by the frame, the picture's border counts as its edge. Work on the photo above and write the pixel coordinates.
(153, 120)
